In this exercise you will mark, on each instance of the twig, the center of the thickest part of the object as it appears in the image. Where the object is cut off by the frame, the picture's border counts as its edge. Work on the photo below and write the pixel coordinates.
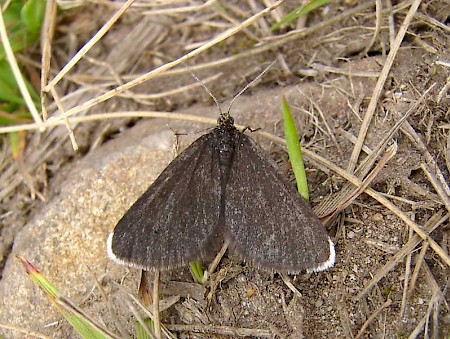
(48, 31)
(221, 330)
(290, 285)
(83, 50)
(419, 263)
(24, 331)
(212, 267)
(431, 225)
(372, 318)
(139, 319)
(406, 279)
(221, 37)
(378, 11)
(390, 152)
(437, 186)
(380, 85)
(156, 320)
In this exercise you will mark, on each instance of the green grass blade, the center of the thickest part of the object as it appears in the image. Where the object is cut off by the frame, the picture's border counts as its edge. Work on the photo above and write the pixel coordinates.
(32, 15)
(84, 329)
(295, 151)
(23, 21)
(298, 12)
(9, 90)
(17, 143)
(82, 325)
(141, 333)
(197, 271)
(7, 119)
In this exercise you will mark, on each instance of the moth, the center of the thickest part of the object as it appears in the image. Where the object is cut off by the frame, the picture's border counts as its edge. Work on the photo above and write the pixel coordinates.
(222, 188)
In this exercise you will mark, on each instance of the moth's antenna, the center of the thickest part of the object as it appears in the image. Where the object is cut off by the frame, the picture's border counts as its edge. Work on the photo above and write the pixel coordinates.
(206, 88)
(249, 85)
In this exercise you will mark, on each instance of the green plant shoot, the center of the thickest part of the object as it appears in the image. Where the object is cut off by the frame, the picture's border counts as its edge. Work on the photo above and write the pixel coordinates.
(295, 152)
(298, 12)
(67, 310)
(197, 271)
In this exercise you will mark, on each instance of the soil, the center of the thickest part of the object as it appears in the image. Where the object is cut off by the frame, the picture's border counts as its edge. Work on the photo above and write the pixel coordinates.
(379, 286)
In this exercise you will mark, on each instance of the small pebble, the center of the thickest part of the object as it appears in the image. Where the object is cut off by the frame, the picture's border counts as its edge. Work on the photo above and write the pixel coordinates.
(377, 217)
(319, 303)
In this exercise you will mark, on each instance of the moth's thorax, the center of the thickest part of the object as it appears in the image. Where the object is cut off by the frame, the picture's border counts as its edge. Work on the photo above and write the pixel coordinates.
(224, 143)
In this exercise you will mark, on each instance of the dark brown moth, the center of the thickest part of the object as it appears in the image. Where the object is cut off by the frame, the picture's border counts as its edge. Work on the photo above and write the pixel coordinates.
(223, 187)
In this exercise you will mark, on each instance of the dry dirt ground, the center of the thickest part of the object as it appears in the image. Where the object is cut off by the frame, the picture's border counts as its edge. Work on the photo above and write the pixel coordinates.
(380, 186)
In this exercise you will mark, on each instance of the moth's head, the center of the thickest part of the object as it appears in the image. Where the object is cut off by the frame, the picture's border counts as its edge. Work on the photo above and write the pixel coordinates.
(225, 121)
